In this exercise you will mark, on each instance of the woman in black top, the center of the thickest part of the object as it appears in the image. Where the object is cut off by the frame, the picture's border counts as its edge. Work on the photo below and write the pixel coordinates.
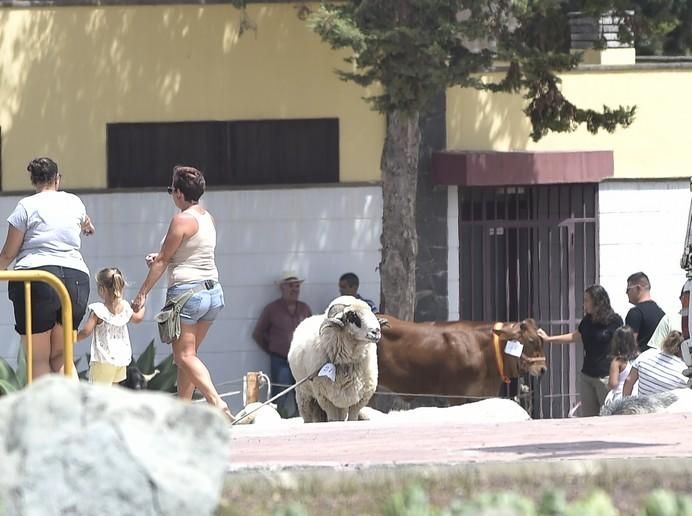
(595, 332)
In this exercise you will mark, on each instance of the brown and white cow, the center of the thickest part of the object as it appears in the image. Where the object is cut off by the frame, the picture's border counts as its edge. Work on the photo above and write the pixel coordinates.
(455, 358)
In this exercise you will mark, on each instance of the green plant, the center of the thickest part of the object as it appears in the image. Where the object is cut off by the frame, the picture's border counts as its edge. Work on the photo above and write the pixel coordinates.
(166, 378)
(12, 380)
(414, 501)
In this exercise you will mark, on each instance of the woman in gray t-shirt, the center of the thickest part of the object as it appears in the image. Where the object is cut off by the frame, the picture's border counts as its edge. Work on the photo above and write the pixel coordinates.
(44, 233)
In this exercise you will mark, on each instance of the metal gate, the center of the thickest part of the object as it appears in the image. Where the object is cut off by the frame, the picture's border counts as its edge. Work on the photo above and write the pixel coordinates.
(530, 251)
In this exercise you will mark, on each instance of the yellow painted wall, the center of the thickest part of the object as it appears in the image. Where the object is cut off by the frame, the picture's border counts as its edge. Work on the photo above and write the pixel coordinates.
(657, 144)
(67, 72)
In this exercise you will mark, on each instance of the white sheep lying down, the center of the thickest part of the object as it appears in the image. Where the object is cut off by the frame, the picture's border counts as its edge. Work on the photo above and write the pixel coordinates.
(345, 335)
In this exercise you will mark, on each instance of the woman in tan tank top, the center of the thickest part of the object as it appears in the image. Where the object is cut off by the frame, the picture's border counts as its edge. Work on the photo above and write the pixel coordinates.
(187, 253)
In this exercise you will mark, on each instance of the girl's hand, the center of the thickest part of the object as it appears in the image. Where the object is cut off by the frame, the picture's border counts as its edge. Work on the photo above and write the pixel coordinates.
(542, 334)
(138, 302)
(149, 259)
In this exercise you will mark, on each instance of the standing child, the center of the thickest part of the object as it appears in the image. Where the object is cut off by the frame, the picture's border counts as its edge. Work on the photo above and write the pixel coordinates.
(111, 351)
(623, 350)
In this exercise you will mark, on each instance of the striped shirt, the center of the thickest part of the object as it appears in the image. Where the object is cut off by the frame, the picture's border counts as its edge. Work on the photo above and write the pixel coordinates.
(659, 372)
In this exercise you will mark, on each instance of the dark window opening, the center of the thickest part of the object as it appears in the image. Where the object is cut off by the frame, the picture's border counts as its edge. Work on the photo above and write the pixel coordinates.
(257, 152)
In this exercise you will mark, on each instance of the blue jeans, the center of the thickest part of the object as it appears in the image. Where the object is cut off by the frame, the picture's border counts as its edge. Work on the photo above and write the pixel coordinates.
(280, 373)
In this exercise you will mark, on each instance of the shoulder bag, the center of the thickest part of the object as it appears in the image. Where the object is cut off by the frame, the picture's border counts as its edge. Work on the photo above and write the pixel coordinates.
(168, 319)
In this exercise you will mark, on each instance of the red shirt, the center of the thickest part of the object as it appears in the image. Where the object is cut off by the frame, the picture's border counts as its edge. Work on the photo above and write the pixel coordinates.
(275, 327)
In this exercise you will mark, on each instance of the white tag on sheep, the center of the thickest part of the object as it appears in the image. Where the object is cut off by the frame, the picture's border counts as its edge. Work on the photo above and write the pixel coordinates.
(328, 370)
(514, 348)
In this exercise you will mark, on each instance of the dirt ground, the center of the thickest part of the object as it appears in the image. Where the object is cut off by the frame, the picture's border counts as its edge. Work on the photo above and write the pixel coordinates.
(351, 468)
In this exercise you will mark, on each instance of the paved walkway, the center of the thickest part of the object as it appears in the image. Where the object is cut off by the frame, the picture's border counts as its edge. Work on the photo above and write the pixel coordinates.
(386, 443)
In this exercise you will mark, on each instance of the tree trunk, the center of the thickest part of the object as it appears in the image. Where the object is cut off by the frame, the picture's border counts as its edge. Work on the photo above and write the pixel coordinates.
(399, 239)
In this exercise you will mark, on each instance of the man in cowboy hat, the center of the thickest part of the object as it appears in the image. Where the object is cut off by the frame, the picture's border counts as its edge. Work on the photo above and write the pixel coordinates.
(274, 331)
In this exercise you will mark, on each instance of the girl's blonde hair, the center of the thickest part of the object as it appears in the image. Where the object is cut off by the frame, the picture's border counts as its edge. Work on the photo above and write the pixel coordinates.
(112, 281)
(671, 344)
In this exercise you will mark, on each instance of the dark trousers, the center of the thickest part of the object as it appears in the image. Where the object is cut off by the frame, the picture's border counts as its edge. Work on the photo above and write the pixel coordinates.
(281, 377)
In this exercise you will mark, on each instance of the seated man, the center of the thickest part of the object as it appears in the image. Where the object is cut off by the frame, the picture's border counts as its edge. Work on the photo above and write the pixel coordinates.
(348, 286)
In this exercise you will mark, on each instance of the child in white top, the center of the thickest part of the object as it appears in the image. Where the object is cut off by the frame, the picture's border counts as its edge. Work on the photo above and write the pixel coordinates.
(111, 351)
(623, 350)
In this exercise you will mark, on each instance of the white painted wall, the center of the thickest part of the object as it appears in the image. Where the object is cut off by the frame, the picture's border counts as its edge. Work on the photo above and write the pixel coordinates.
(642, 228)
(453, 252)
(320, 232)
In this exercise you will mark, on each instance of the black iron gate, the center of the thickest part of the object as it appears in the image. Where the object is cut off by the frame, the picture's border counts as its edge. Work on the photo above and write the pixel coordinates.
(530, 252)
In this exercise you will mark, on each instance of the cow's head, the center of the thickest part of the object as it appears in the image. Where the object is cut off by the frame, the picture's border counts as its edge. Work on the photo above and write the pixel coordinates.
(354, 317)
(532, 358)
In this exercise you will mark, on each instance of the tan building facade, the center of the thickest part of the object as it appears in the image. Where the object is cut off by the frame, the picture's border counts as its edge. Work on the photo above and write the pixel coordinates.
(67, 72)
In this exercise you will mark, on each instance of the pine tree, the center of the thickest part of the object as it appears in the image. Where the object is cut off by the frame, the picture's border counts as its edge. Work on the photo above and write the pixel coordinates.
(412, 50)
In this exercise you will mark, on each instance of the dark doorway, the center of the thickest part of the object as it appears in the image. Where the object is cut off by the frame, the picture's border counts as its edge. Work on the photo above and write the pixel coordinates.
(530, 251)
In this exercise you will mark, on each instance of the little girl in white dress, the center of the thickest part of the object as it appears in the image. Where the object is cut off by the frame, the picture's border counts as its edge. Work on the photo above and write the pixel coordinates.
(623, 350)
(111, 351)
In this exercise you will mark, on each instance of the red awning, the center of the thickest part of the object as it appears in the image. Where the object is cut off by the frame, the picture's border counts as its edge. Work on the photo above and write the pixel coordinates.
(484, 168)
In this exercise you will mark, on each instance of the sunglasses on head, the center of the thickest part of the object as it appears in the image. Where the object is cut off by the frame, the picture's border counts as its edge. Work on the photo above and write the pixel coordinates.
(170, 190)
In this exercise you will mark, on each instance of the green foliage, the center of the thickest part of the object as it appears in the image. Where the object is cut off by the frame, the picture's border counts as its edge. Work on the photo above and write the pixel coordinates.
(504, 502)
(166, 380)
(414, 501)
(12, 380)
(666, 503)
(597, 503)
(145, 362)
(294, 509)
(411, 50)
(8, 378)
(660, 27)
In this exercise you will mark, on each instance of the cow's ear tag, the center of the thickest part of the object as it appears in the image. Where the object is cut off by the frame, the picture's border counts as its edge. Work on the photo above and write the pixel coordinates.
(514, 348)
(328, 370)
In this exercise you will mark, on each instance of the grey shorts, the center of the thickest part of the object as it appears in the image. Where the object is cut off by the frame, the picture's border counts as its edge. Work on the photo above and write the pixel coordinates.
(202, 306)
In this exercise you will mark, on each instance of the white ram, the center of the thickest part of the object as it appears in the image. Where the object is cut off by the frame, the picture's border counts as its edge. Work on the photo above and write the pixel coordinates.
(346, 336)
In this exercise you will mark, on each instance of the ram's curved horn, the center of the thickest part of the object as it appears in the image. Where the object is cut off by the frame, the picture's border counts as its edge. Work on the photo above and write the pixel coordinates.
(331, 323)
(336, 311)
(335, 317)
(384, 323)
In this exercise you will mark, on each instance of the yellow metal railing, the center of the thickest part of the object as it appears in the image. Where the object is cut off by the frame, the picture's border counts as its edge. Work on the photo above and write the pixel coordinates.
(27, 276)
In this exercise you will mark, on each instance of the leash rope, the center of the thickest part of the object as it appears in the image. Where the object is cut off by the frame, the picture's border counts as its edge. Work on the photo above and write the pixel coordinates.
(285, 391)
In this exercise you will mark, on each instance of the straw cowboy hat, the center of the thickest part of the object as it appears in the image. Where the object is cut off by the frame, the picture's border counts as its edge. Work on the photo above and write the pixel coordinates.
(289, 277)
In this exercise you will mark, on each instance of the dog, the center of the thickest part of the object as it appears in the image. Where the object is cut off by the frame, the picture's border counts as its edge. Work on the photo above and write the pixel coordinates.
(136, 379)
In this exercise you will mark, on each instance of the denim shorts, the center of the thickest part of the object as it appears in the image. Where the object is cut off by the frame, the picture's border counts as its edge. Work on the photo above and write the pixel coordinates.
(202, 306)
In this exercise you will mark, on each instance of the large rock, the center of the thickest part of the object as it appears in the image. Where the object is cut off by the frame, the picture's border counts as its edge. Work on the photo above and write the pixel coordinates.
(73, 448)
